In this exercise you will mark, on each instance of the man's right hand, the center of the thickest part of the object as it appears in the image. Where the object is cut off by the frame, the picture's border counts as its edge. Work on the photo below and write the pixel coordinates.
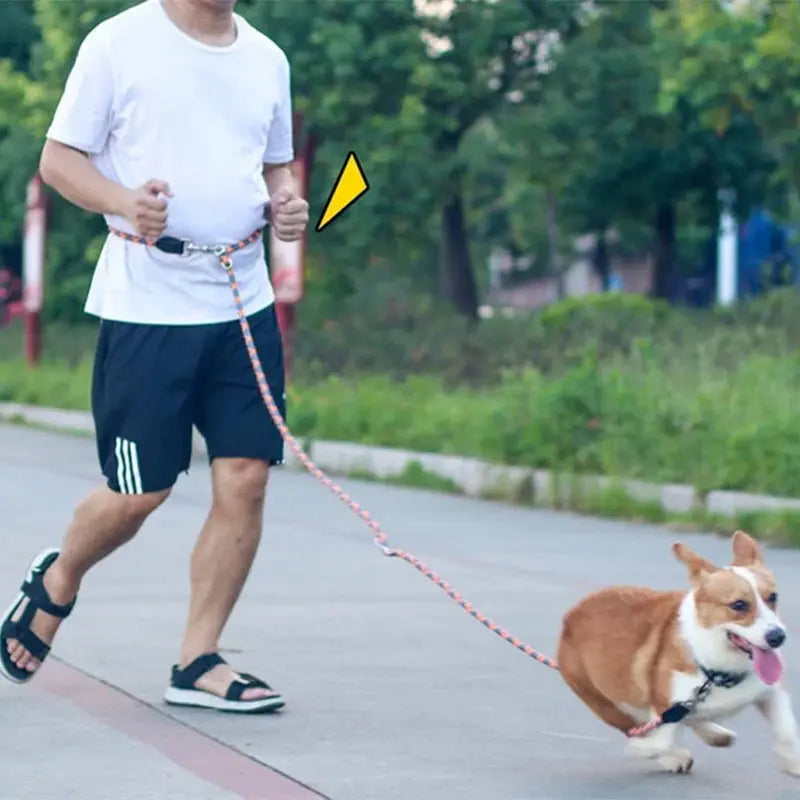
(146, 210)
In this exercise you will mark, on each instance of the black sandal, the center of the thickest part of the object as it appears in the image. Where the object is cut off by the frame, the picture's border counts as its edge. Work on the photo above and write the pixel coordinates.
(35, 595)
(183, 692)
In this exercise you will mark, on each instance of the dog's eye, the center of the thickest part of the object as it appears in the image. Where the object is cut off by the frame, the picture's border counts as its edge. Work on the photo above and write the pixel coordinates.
(773, 598)
(740, 606)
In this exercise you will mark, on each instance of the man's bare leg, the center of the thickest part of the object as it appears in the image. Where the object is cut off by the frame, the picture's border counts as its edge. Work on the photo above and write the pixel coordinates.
(221, 563)
(102, 522)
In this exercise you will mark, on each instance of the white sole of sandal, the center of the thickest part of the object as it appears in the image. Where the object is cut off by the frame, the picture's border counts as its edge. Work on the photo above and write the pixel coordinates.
(37, 561)
(195, 698)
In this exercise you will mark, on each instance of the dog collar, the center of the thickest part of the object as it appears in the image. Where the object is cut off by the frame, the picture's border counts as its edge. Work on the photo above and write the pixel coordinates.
(725, 680)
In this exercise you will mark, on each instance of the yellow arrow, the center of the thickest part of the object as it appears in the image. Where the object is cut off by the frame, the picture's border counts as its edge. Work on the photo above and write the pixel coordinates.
(349, 186)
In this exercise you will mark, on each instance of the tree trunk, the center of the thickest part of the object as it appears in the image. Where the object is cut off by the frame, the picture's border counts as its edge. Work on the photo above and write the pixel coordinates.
(600, 260)
(458, 279)
(664, 250)
(553, 248)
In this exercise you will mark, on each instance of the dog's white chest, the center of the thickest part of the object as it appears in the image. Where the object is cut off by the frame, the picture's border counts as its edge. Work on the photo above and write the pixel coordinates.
(721, 702)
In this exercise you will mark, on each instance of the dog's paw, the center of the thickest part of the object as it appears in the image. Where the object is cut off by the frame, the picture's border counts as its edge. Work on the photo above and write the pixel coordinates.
(679, 761)
(714, 735)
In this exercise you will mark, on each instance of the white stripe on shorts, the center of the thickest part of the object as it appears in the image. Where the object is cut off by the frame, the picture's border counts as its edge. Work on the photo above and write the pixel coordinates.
(128, 475)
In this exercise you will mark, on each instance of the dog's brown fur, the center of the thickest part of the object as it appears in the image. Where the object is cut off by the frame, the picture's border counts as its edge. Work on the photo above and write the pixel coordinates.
(619, 647)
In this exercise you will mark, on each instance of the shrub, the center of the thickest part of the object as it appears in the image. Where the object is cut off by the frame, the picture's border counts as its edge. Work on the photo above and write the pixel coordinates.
(399, 334)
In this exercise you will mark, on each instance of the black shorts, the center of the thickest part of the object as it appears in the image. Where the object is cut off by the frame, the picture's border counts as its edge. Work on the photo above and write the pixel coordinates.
(152, 383)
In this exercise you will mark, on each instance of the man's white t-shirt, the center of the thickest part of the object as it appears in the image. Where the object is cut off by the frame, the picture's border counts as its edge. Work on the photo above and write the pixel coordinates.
(146, 100)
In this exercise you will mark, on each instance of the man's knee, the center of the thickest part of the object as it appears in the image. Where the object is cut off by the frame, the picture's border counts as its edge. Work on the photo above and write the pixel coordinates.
(135, 508)
(239, 481)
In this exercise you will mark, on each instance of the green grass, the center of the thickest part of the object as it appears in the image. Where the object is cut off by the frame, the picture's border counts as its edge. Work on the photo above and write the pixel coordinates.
(616, 502)
(61, 343)
(414, 476)
(737, 429)
(780, 528)
(62, 378)
(50, 383)
(638, 420)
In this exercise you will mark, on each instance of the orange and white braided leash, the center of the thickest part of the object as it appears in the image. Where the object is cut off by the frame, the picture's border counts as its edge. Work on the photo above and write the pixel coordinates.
(225, 255)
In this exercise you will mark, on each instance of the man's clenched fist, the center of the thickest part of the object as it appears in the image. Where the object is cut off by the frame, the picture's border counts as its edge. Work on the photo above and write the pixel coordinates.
(146, 210)
(289, 215)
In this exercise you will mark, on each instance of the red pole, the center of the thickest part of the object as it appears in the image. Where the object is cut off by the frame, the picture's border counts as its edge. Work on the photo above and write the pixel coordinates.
(33, 337)
(285, 312)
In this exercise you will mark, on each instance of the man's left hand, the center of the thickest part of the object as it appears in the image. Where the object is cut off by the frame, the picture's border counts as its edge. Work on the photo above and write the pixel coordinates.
(289, 215)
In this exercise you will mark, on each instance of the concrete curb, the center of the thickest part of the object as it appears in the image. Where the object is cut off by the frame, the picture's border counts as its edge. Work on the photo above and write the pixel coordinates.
(470, 476)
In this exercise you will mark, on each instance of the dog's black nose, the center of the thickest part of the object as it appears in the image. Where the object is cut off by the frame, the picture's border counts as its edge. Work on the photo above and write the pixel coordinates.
(775, 637)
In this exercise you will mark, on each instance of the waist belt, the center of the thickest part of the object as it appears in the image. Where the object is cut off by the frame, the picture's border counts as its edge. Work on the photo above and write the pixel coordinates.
(182, 247)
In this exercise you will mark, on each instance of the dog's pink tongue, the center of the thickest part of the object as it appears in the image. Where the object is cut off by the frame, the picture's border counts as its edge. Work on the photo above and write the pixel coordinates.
(767, 665)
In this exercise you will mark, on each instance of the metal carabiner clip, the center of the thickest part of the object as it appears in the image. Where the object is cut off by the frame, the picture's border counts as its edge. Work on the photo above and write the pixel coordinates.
(214, 249)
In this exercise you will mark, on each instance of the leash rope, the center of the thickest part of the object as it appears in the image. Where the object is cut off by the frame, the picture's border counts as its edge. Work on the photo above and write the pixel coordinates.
(224, 254)
(380, 536)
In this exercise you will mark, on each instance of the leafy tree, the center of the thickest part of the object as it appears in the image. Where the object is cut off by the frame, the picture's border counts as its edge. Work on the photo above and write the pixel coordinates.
(417, 82)
(18, 32)
(472, 119)
(620, 153)
(27, 101)
(18, 35)
(351, 69)
(492, 55)
(739, 61)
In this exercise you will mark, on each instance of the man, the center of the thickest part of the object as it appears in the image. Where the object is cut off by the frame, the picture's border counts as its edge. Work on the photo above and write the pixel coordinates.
(175, 121)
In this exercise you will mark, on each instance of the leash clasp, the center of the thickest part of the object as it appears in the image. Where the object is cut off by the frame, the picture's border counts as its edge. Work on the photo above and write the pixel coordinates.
(699, 695)
(182, 247)
(220, 251)
(214, 249)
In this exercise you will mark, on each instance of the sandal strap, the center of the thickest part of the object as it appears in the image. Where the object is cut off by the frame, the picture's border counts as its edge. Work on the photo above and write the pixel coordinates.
(187, 677)
(37, 595)
(27, 638)
(239, 687)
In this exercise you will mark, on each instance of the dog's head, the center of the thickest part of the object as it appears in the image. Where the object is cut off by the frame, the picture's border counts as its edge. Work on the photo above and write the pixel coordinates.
(729, 618)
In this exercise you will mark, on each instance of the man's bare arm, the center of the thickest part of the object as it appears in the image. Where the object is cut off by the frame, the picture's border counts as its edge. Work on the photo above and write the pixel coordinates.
(280, 176)
(75, 177)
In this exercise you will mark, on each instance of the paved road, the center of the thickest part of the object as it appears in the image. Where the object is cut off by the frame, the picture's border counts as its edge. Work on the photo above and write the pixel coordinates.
(393, 692)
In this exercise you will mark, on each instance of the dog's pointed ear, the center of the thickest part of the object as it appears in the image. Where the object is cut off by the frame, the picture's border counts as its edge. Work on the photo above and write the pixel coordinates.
(698, 566)
(746, 552)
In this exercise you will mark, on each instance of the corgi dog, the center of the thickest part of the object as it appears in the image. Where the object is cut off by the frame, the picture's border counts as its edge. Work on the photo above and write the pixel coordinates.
(632, 653)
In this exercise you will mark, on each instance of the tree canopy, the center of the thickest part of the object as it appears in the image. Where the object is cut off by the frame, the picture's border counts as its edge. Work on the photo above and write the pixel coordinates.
(521, 123)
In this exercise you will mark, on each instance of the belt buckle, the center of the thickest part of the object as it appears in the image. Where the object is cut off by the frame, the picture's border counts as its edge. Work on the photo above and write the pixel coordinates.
(172, 245)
